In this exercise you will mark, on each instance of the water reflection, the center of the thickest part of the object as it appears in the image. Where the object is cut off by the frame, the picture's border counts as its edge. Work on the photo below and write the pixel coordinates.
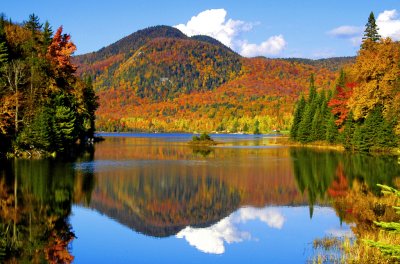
(163, 188)
(211, 239)
(36, 198)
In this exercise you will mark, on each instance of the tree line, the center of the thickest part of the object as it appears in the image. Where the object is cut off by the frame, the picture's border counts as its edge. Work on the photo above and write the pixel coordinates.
(362, 112)
(43, 105)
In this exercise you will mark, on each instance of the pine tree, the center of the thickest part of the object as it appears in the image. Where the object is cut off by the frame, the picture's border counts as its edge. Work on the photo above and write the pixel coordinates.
(371, 29)
(298, 114)
(91, 104)
(331, 129)
(3, 44)
(304, 133)
(312, 90)
(47, 35)
(33, 24)
(348, 131)
(3, 54)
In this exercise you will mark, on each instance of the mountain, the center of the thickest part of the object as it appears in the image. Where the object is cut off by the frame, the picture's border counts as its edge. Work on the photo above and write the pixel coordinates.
(158, 79)
(333, 64)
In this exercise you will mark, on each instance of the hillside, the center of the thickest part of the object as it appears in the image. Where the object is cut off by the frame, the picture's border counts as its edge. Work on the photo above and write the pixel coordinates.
(333, 64)
(158, 79)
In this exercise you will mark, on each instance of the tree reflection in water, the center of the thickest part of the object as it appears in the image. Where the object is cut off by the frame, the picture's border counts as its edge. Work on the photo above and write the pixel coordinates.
(36, 198)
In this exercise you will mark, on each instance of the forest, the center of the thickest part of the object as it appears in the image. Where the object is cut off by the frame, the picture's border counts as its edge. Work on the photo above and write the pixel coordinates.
(363, 110)
(44, 107)
(158, 79)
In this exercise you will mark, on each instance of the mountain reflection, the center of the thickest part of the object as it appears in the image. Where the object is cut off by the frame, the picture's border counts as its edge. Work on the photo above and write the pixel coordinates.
(162, 189)
(211, 239)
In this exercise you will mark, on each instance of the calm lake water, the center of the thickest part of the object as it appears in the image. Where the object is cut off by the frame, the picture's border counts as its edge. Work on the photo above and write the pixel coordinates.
(151, 198)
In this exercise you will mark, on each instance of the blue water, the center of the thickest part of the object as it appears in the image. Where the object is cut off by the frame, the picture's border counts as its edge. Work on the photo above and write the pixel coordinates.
(249, 235)
(268, 233)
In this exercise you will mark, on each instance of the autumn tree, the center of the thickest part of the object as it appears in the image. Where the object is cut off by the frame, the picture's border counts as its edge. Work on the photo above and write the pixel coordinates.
(59, 54)
(43, 105)
(15, 77)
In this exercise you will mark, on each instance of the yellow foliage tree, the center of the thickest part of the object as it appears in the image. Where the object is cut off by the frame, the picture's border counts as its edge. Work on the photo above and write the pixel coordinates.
(376, 73)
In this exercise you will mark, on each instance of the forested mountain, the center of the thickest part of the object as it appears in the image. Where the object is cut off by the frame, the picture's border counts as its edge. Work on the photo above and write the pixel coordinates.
(158, 79)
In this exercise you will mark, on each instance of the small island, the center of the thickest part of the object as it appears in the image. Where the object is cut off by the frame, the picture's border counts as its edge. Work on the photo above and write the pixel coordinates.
(203, 140)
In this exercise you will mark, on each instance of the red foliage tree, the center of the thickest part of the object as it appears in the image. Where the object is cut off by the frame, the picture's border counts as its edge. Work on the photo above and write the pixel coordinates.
(59, 53)
(339, 102)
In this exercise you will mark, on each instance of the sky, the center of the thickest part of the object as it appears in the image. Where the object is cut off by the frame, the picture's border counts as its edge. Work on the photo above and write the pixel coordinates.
(272, 28)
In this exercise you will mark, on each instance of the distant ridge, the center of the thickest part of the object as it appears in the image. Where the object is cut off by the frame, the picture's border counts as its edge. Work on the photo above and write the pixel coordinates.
(333, 64)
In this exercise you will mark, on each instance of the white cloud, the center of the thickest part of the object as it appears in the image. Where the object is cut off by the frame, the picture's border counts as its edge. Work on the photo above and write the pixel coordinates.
(346, 31)
(272, 46)
(211, 239)
(214, 23)
(269, 216)
(352, 33)
(388, 23)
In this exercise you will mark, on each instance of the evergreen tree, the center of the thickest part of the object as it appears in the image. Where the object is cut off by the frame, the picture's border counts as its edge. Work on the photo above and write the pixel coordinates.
(3, 44)
(298, 114)
(65, 121)
(316, 125)
(341, 82)
(305, 128)
(3, 54)
(47, 35)
(331, 129)
(256, 130)
(348, 131)
(91, 104)
(304, 133)
(33, 24)
(312, 90)
(371, 29)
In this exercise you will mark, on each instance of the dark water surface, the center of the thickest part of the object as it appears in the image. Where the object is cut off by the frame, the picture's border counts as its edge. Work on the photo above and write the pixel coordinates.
(151, 198)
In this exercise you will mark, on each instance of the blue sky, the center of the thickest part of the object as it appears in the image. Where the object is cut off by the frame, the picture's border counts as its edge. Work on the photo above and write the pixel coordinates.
(275, 28)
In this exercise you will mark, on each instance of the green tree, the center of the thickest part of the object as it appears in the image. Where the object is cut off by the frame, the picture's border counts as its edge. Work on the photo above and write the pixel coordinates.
(256, 130)
(33, 24)
(297, 117)
(348, 132)
(371, 29)
(91, 104)
(3, 54)
(47, 35)
(331, 129)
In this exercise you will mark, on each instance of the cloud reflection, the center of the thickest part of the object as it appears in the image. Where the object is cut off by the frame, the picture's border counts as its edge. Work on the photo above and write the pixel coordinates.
(212, 239)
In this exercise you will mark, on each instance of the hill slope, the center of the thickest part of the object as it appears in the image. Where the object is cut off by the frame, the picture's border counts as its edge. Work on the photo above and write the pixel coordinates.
(158, 79)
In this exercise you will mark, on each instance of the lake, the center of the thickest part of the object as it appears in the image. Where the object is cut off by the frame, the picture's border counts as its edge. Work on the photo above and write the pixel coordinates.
(151, 198)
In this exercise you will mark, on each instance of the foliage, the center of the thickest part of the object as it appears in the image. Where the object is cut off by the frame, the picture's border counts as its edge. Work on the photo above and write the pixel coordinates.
(158, 79)
(391, 250)
(332, 64)
(365, 106)
(44, 106)
(203, 139)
